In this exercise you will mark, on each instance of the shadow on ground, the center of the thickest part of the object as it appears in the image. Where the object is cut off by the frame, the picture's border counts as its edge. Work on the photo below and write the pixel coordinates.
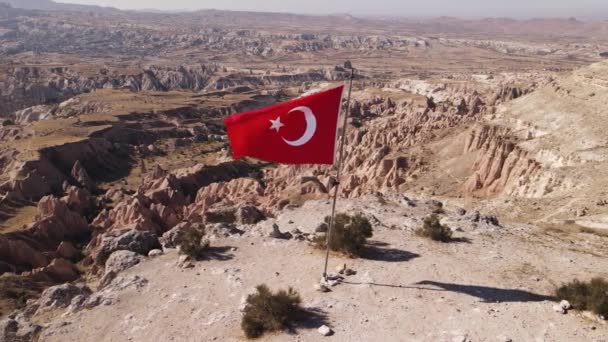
(461, 240)
(218, 253)
(379, 252)
(389, 285)
(485, 293)
(488, 294)
(308, 318)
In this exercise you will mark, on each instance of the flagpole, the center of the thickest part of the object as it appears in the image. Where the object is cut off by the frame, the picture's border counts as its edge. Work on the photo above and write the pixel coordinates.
(347, 65)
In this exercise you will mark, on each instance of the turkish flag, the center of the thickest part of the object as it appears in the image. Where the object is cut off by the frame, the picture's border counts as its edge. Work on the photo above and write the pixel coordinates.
(300, 131)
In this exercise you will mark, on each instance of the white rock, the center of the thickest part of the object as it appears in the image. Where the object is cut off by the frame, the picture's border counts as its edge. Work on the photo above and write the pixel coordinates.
(243, 305)
(558, 308)
(184, 262)
(565, 305)
(321, 287)
(325, 330)
(155, 252)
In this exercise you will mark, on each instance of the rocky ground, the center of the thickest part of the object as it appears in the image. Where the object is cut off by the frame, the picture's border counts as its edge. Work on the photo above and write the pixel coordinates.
(499, 277)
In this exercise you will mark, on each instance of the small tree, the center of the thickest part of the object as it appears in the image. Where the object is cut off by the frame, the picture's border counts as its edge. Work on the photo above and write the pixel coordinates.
(193, 243)
(592, 296)
(434, 230)
(267, 311)
(349, 234)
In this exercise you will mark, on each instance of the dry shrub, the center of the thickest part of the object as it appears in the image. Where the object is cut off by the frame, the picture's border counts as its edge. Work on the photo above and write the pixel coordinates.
(439, 211)
(349, 234)
(267, 311)
(592, 296)
(193, 243)
(434, 230)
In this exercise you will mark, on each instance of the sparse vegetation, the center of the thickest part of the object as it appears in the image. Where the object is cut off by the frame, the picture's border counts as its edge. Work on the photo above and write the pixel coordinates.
(439, 211)
(267, 311)
(592, 295)
(193, 243)
(16, 290)
(348, 235)
(434, 230)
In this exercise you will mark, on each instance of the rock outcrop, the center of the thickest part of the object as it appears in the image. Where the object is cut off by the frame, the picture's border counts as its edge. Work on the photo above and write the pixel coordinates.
(80, 174)
(140, 242)
(122, 260)
(500, 161)
(56, 223)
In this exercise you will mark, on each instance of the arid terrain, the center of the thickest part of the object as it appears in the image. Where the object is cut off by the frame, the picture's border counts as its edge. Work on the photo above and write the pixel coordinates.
(113, 144)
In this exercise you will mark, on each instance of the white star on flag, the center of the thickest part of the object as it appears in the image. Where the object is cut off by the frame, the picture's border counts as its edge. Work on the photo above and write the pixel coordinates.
(276, 124)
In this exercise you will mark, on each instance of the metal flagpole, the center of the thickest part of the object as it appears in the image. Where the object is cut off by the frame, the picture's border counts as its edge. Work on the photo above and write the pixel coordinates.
(347, 65)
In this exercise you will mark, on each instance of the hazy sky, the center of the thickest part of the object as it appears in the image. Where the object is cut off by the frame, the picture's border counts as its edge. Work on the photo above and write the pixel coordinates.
(467, 8)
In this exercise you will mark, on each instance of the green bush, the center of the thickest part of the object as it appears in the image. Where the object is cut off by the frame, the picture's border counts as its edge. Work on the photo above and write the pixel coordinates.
(434, 230)
(592, 296)
(193, 244)
(267, 311)
(349, 234)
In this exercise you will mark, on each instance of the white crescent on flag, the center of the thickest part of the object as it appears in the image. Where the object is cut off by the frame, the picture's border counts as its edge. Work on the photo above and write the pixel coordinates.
(311, 127)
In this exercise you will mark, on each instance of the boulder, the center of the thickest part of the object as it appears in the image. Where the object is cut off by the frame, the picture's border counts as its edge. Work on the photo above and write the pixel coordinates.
(249, 214)
(277, 234)
(77, 303)
(559, 309)
(325, 330)
(173, 237)
(141, 242)
(61, 296)
(67, 251)
(185, 261)
(12, 330)
(122, 260)
(565, 305)
(321, 287)
(155, 252)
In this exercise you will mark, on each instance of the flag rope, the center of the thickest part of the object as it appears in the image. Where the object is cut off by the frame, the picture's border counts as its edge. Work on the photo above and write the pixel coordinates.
(339, 166)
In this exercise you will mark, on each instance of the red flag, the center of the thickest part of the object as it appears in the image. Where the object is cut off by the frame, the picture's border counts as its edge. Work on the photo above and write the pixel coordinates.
(300, 131)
